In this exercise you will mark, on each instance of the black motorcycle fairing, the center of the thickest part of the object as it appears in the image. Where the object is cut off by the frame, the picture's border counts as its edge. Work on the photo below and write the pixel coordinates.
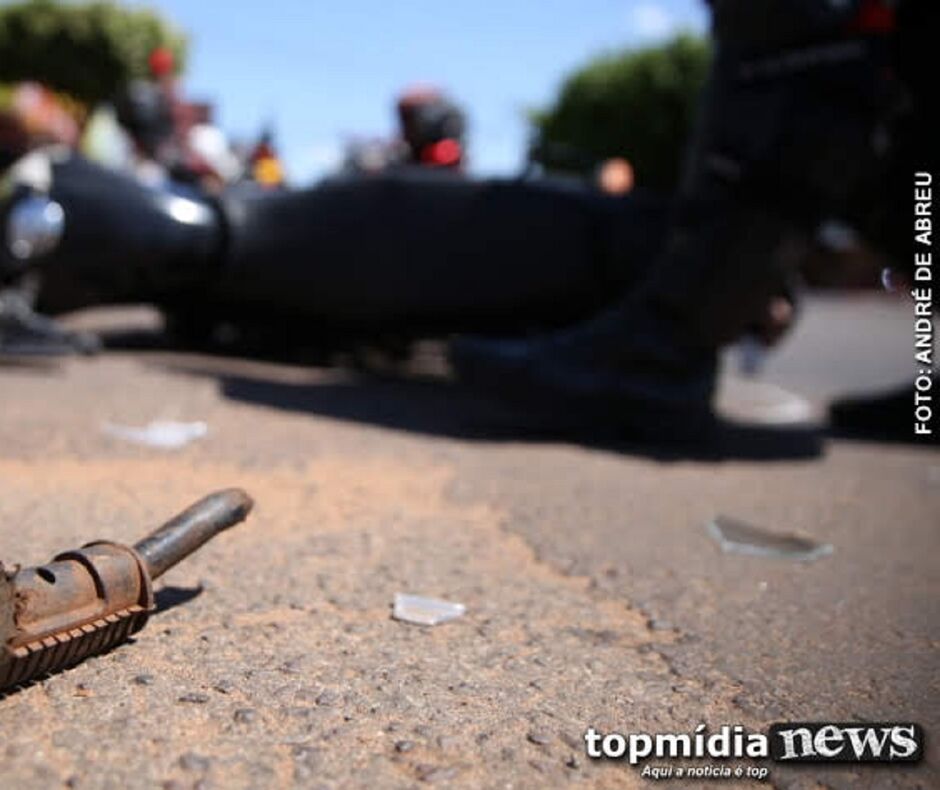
(126, 241)
(418, 250)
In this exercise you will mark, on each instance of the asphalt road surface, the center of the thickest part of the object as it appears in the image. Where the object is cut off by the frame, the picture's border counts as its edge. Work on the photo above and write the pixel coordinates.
(594, 594)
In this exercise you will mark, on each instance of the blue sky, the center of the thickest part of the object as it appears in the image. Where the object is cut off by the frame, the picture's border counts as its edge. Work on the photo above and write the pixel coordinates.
(326, 70)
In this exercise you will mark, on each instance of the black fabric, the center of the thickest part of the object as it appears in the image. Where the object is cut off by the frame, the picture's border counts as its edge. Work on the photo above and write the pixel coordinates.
(762, 25)
(776, 152)
(427, 249)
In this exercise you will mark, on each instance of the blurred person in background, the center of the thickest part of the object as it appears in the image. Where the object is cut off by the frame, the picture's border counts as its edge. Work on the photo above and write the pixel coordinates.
(264, 164)
(432, 127)
(148, 110)
(175, 139)
(814, 112)
(432, 134)
(32, 115)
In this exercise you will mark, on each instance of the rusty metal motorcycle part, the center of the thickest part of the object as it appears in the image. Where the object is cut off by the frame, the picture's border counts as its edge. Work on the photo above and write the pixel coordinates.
(88, 600)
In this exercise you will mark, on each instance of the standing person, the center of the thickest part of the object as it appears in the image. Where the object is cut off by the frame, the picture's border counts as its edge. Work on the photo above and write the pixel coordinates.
(148, 110)
(807, 116)
(432, 128)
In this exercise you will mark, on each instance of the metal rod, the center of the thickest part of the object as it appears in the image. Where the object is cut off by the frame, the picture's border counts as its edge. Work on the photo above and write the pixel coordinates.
(185, 533)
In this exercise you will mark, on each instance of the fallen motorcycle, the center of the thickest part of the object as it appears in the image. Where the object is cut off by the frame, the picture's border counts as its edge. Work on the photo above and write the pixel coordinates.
(419, 252)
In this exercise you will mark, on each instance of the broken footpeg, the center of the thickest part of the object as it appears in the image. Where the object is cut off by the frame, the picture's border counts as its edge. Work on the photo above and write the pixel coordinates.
(88, 600)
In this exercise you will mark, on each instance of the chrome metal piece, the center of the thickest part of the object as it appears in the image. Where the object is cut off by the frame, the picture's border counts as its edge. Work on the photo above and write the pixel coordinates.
(34, 227)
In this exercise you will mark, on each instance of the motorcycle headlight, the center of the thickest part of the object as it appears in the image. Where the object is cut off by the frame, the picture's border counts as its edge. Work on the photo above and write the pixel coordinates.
(35, 226)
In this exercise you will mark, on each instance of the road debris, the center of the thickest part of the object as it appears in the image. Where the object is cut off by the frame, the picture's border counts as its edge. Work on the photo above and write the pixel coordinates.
(425, 611)
(161, 434)
(88, 600)
(194, 697)
(739, 537)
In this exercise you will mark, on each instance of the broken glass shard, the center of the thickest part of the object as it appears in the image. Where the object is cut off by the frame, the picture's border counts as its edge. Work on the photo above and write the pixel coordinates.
(162, 434)
(739, 537)
(425, 611)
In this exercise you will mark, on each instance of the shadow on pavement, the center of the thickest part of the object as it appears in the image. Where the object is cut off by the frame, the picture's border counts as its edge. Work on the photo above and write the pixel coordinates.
(439, 408)
(443, 408)
(171, 597)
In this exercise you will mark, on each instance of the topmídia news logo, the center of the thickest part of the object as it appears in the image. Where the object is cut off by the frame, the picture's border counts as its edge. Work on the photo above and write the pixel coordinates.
(785, 742)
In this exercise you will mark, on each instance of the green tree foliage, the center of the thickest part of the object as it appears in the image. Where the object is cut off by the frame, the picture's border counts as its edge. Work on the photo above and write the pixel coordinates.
(637, 104)
(89, 50)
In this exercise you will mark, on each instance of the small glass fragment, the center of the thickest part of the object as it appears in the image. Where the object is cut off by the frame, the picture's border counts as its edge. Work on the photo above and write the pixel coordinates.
(739, 537)
(162, 434)
(888, 279)
(425, 611)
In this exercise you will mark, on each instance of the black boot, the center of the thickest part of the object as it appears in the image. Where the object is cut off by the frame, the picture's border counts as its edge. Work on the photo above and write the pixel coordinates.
(647, 368)
(584, 380)
(785, 140)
